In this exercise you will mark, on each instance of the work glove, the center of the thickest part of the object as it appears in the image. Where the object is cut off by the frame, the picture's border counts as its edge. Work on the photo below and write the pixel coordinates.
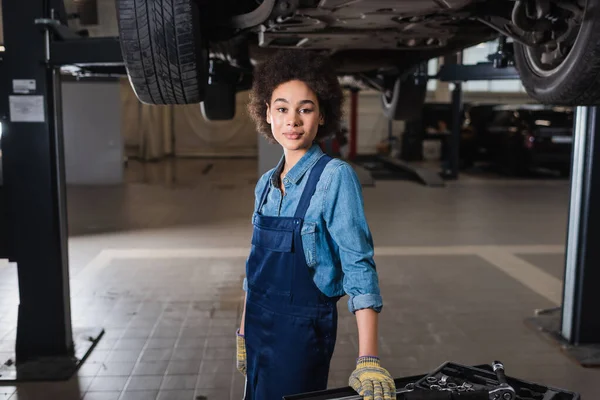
(241, 353)
(372, 381)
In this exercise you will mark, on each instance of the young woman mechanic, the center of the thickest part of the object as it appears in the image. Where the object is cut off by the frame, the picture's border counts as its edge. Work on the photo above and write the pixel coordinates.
(311, 243)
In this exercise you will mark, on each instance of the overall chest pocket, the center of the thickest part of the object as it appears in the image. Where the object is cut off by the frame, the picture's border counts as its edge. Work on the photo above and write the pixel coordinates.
(273, 239)
(309, 242)
(270, 268)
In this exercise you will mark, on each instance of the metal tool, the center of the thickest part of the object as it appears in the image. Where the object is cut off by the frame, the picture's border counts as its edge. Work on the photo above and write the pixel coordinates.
(443, 380)
(504, 391)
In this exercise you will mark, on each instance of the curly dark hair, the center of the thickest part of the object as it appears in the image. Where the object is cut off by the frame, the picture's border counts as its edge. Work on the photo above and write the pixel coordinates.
(310, 67)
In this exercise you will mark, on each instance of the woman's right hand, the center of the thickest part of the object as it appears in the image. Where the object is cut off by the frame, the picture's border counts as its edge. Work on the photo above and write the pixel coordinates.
(241, 353)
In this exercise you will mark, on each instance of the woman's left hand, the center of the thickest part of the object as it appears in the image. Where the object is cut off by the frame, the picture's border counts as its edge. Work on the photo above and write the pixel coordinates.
(372, 381)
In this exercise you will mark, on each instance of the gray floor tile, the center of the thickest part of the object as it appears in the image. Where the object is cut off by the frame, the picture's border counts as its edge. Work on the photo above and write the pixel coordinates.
(183, 354)
(116, 369)
(194, 342)
(82, 383)
(554, 264)
(89, 368)
(220, 353)
(108, 384)
(174, 382)
(150, 368)
(124, 355)
(161, 343)
(106, 344)
(214, 394)
(171, 332)
(176, 395)
(130, 344)
(184, 367)
(6, 391)
(98, 356)
(149, 382)
(219, 342)
(102, 396)
(215, 374)
(139, 395)
(156, 355)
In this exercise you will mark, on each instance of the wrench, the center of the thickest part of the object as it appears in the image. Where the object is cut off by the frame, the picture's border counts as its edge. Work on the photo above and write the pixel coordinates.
(504, 391)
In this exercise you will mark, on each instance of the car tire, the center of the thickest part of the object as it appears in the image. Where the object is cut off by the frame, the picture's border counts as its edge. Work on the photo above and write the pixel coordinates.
(405, 99)
(163, 50)
(219, 102)
(575, 81)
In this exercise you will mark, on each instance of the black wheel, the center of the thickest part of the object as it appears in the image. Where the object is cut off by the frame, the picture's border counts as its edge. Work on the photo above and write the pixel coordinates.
(404, 100)
(163, 50)
(219, 103)
(566, 71)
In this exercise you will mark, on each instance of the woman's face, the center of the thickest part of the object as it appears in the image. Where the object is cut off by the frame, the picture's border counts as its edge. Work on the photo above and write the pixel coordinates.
(294, 115)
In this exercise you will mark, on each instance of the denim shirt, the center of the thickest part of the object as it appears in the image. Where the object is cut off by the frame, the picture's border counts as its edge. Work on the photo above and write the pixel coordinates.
(337, 242)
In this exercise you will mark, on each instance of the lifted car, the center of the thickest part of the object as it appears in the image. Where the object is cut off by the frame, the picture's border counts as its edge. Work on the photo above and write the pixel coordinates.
(202, 51)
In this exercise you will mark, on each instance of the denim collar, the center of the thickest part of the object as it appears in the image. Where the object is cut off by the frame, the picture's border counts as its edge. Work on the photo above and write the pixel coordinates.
(304, 164)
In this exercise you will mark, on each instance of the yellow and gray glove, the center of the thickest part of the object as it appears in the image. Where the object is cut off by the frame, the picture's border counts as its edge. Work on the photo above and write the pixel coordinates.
(241, 353)
(372, 381)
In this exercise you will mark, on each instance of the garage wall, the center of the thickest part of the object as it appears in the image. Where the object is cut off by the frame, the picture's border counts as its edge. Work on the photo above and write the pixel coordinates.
(372, 125)
(107, 18)
(194, 136)
(150, 131)
(153, 132)
(92, 133)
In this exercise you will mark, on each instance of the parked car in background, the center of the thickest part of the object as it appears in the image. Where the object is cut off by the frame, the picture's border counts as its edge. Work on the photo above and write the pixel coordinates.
(519, 138)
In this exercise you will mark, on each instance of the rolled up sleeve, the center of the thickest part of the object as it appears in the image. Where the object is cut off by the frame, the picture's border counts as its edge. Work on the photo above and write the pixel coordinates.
(361, 301)
(343, 211)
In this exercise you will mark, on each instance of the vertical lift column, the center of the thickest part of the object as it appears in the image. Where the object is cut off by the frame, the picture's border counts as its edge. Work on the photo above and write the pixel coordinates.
(576, 325)
(35, 195)
(580, 322)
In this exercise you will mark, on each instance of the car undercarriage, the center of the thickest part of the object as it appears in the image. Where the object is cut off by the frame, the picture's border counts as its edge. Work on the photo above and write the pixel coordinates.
(377, 43)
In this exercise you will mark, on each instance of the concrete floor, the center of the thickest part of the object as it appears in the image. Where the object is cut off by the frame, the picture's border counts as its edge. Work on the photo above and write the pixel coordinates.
(159, 263)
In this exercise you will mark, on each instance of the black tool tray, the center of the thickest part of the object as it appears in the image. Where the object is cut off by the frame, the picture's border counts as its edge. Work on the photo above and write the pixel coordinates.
(483, 377)
(479, 376)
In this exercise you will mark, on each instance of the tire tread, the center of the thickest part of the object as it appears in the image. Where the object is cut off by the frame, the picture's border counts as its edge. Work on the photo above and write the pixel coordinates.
(159, 46)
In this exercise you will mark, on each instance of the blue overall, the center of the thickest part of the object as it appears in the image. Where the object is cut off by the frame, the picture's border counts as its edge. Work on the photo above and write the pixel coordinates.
(290, 326)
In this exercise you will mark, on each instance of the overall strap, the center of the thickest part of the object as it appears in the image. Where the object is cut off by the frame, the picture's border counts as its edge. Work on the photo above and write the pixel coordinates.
(311, 186)
(263, 197)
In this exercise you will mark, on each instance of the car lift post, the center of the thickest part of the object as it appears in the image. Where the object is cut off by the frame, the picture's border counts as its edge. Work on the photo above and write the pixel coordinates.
(575, 325)
(34, 184)
(580, 324)
(452, 165)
